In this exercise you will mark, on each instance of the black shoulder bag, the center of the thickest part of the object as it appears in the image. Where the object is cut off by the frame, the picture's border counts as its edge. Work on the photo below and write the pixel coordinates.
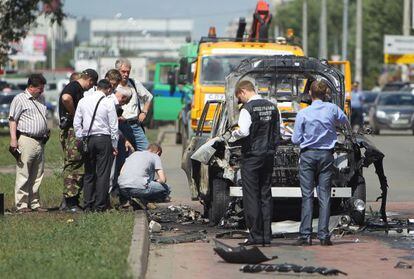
(45, 137)
(85, 140)
(139, 101)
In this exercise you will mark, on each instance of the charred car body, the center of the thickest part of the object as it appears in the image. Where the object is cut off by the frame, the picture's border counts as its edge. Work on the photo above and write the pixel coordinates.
(212, 164)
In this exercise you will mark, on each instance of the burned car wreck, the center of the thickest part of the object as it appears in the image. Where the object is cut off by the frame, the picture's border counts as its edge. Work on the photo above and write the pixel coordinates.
(212, 164)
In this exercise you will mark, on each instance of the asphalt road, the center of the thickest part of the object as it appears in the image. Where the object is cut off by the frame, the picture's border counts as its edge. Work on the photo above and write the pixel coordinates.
(376, 252)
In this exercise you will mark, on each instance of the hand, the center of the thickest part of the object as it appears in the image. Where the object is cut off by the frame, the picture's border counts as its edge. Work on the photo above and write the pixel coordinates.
(121, 119)
(14, 144)
(142, 116)
(115, 151)
(129, 147)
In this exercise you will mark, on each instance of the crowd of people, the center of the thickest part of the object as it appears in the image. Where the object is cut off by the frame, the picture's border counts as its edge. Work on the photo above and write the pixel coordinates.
(105, 149)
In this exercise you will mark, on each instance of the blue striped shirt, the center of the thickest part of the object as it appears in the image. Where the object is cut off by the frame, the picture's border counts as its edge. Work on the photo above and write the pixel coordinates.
(315, 126)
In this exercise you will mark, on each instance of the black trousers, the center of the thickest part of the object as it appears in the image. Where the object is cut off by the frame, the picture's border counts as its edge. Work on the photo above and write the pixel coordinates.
(256, 174)
(98, 165)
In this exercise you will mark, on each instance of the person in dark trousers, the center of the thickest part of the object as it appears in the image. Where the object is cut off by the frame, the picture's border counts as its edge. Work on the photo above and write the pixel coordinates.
(96, 121)
(259, 135)
(73, 168)
(315, 133)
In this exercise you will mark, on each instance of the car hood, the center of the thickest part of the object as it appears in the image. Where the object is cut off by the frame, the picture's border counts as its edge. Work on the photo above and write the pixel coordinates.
(395, 109)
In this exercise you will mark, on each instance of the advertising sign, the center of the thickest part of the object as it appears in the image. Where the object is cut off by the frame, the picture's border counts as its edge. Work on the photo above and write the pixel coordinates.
(32, 49)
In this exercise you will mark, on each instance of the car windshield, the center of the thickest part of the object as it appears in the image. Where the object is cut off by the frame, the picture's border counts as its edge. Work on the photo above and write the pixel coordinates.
(6, 99)
(216, 68)
(369, 97)
(396, 100)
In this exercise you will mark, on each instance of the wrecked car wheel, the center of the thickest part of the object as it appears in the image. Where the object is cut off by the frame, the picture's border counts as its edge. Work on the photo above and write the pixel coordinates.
(358, 194)
(220, 198)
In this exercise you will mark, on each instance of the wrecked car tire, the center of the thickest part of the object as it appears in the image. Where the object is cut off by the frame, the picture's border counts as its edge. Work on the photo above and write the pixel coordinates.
(220, 198)
(359, 192)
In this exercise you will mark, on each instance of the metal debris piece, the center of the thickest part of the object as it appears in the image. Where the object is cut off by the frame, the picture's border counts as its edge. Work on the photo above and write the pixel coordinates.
(154, 227)
(234, 216)
(403, 265)
(286, 267)
(182, 214)
(182, 238)
(233, 235)
(240, 254)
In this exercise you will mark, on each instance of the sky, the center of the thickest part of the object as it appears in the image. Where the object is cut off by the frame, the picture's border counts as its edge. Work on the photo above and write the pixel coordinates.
(205, 13)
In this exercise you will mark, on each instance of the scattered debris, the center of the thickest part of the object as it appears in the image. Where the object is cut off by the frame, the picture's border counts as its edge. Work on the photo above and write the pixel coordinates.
(240, 254)
(182, 214)
(403, 265)
(233, 235)
(234, 216)
(182, 238)
(154, 227)
(255, 268)
(384, 259)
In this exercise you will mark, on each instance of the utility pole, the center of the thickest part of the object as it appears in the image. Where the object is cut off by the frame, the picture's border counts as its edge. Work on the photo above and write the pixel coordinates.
(358, 49)
(305, 27)
(345, 30)
(53, 47)
(323, 45)
(406, 18)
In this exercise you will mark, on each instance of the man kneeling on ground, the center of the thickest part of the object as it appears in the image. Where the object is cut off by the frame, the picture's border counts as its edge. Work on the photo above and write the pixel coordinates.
(137, 178)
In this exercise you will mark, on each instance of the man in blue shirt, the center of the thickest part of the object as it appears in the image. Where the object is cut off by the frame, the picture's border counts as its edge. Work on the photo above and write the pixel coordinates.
(315, 133)
(357, 117)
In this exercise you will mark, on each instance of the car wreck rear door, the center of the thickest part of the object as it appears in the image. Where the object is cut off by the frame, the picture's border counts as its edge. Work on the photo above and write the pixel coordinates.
(191, 167)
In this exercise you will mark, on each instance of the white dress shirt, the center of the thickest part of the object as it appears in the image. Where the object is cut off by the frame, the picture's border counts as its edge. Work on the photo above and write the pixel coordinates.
(106, 120)
(131, 109)
(244, 122)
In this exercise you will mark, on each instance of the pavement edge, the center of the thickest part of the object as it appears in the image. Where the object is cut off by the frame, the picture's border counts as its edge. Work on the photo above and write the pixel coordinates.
(139, 249)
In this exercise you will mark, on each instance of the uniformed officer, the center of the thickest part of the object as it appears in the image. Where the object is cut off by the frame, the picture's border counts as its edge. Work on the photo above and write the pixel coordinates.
(259, 133)
(315, 133)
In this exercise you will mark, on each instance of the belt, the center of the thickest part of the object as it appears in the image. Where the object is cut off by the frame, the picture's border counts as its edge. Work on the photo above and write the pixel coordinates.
(31, 136)
(132, 121)
(99, 135)
(303, 150)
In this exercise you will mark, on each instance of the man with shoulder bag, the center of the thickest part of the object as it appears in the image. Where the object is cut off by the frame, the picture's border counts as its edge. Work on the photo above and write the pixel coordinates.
(28, 136)
(96, 130)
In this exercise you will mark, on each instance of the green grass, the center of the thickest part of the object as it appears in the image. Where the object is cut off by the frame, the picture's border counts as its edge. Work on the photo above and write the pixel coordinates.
(65, 246)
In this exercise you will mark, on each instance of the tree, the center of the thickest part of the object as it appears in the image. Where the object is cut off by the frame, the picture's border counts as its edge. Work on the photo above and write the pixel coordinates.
(18, 16)
(380, 17)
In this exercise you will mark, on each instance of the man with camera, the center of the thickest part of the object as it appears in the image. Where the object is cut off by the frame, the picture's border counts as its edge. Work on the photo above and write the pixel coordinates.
(73, 160)
(28, 136)
(96, 127)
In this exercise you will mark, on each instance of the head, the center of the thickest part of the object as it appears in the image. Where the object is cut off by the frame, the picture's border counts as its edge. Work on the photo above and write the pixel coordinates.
(318, 90)
(355, 85)
(244, 91)
(123, 65)
(123, 96)
(114, 78)
(105, 86)
(155, 148)
(88, 78)
(74, 76)
(36, 84)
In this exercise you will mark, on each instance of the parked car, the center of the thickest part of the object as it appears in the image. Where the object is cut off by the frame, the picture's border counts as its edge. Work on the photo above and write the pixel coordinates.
(394, 86)
(408, 88)
(393, 110)
(368, 99)
(5, 100)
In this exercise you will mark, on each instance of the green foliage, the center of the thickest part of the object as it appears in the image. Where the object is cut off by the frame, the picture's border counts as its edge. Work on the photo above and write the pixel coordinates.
(380, 17)
(18, 16)
(52, 245)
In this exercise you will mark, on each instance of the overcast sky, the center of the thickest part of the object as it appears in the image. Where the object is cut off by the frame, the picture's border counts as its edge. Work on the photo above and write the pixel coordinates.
(204, 12)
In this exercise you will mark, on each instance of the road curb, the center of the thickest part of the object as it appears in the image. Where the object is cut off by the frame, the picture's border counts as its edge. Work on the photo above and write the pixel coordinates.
(139, 249)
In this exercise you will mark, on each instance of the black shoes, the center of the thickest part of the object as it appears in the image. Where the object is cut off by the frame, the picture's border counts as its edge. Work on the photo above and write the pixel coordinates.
(304, 242)
(248, 242)
(326, 242)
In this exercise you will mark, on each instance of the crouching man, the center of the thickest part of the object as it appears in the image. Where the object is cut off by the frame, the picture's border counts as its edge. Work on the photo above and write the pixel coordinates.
(137, 178)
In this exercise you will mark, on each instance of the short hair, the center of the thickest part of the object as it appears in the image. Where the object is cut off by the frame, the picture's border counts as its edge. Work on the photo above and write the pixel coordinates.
(36, 80)
(154, 147)
(319, 89)
(104, 84)
(74, 76)
(89, 74)
(124, 92)
(113, 74)
(122, 61)
(245, 85)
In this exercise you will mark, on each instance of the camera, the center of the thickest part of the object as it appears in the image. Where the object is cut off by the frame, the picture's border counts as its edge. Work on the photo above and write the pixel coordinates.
(65, 122)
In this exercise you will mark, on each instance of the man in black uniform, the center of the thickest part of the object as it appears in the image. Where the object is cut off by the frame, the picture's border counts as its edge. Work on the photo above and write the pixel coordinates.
(259, 134)
(73, 161)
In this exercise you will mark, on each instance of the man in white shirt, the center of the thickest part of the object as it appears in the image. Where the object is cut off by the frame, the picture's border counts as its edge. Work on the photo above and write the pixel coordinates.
(133, 114)
(102, 138)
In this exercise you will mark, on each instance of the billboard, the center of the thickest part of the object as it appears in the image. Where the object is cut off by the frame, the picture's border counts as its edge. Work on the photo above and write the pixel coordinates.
(32, 48)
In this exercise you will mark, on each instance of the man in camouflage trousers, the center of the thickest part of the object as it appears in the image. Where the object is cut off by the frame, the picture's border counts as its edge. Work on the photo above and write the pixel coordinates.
(73, 162)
